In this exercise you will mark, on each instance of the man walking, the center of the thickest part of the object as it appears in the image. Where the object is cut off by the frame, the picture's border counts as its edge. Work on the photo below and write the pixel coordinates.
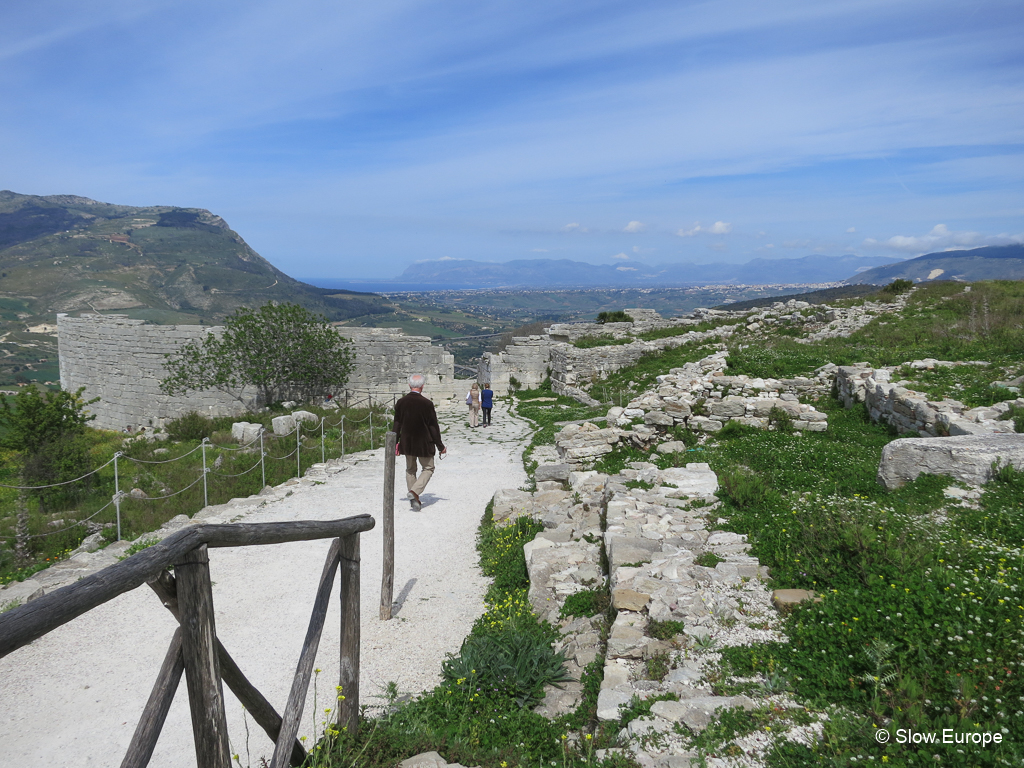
(418, 433)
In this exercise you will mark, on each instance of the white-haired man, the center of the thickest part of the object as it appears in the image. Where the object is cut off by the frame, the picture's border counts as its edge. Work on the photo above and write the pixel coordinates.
(418, 435)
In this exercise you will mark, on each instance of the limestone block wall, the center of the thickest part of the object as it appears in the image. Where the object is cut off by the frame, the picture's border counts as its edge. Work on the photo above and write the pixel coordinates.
(121, 361)
(527, 359)
(910, 411)
(386, 357)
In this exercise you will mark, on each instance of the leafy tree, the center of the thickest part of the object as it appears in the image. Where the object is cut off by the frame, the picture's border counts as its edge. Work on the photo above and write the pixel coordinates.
(618, 316)
(281, 350)
(48, 429)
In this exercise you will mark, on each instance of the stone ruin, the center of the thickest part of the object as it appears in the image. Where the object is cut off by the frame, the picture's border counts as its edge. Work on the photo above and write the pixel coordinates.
(121, 361)
(650, 537)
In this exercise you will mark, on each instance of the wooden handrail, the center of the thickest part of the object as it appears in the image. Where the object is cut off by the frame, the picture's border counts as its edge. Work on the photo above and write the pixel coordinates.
(22, 625)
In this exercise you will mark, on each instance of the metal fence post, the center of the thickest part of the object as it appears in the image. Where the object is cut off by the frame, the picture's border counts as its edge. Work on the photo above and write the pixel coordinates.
(206, 497)
(343, 434)
(298, 448)
(263, 462)
(117, 496)
(371, 429)
(323, 450)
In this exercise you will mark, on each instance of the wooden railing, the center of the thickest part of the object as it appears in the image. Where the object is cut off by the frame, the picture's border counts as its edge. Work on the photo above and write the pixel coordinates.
(195, 649)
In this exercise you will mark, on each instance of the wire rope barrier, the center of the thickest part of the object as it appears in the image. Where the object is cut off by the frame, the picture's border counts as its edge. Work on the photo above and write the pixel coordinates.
(322, 424)
(63, 530)
(57, 485)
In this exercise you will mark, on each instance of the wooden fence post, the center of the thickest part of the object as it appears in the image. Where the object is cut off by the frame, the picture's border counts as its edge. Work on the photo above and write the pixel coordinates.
(387, 584)
(348, 707)
(202, 668)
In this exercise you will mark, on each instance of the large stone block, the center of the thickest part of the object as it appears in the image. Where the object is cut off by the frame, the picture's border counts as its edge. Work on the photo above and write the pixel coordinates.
(968, 458)
(283, 425)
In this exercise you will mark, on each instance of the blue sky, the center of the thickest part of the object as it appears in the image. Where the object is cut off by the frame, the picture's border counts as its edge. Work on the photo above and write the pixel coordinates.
(349, 140)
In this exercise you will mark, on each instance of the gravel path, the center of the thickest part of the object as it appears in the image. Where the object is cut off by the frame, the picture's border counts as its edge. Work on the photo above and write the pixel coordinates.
(73, 697)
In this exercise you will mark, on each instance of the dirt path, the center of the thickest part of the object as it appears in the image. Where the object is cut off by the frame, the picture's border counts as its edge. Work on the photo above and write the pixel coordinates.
(73, 697)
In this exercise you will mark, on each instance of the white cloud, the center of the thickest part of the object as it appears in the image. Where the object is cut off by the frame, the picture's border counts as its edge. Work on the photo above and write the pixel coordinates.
(635, 226)
(718, 228)
(941, 238)
(571, 227)
(621, 256)
(446, 258)
(626, 269)
(851, 230)
(538, 250)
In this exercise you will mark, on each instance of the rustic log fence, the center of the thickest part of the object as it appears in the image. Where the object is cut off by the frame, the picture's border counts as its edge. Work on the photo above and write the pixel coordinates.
(195, 649)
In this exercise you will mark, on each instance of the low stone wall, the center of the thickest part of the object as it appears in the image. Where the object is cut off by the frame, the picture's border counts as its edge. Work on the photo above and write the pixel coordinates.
(574, 369)
(911, 411)
(650, 540)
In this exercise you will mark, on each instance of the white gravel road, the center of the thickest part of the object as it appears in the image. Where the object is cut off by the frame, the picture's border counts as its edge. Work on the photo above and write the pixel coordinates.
(73, 697)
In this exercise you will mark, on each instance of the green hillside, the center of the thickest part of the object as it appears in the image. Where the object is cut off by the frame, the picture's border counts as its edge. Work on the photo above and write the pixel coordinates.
(999, 262)
(63, 253)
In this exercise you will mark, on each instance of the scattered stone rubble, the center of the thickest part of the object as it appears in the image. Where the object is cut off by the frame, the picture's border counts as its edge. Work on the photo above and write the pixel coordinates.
(652, 536)
(700, 397)
(910, 411)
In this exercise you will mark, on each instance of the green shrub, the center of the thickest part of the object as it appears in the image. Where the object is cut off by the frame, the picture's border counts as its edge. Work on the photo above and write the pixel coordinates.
(708, 559)
(501, 552)
(514, 664)
(589, 602)
(618, 316)
(190, 426)
(746, 489)
(780, 420)
(665, 630)
(898, 286)
(1016, 415)
(138, 546)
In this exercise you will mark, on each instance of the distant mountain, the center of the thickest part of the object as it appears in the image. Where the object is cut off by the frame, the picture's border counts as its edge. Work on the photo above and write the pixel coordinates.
(997, 262)
(64, 253)
(563, 273)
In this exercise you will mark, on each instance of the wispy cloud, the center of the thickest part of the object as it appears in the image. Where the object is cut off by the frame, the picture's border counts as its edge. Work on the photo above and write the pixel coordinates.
(456, 129)
(941, 238)
(718, 228)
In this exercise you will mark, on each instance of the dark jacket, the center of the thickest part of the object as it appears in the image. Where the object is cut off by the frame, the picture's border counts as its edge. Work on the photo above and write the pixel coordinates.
(416, 426)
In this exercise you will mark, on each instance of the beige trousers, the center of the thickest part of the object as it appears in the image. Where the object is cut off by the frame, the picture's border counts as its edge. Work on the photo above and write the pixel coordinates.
(417, 484)
(474, 413)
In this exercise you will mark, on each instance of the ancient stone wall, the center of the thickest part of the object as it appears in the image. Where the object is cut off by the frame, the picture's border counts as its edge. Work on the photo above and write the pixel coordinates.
(526, 359)
(386, 357)
(121, 362)
(911, 411)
